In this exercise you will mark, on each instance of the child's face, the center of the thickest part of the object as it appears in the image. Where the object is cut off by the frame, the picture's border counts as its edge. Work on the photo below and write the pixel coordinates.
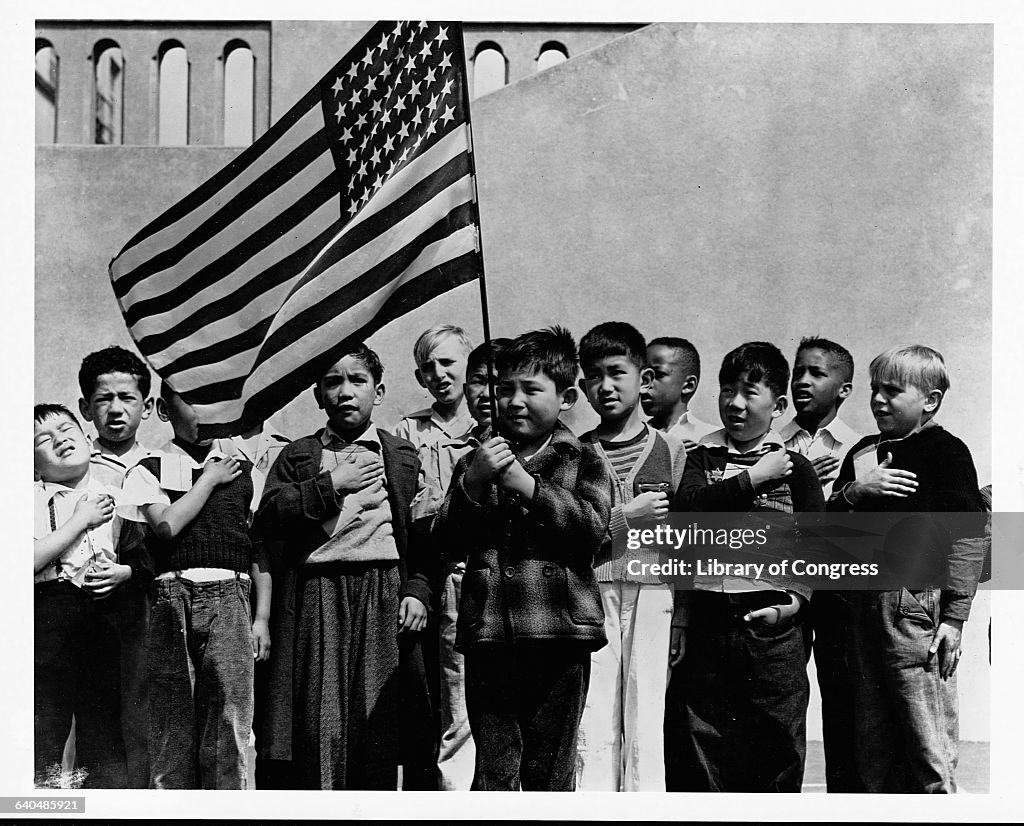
(817, 386)
(900, 408)
(747, 409)
(443, 371)
(529, 404)
(668, 382)
(183, 418)
(61, 449)
(116, 407)
(348, 393)
(612, 385)
(478, 394)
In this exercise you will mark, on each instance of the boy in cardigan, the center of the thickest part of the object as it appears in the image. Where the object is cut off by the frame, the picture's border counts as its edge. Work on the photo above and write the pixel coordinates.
(353, 593)
(530, 511)
(77, 540)
(197, 499)
(905, 645)
(737, 700)
(621, 745)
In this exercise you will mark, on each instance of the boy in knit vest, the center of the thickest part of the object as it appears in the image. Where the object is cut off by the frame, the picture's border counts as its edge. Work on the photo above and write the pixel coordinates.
(620, 744)
(198, 499)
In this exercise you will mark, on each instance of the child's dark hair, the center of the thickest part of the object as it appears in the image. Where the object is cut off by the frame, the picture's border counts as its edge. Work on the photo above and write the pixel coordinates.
(551, 351)
(761, 361)
(112, 359)
(836, 353)
(478, 358)
(370, 360)
(613, 338)
(42, 412)
(686, 353)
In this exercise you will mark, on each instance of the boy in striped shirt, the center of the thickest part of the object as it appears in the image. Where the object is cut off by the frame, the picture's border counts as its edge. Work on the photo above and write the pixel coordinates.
(620, 744)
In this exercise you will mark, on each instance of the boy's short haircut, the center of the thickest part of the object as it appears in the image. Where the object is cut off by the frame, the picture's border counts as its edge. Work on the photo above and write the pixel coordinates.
(837, 355)
(370, 360)
(915, 364)
(613, 338)
(44, 411)
(551, 351)
(429, 339)
(686, 353)
(478, 358)
(112, 359)
(761, 361)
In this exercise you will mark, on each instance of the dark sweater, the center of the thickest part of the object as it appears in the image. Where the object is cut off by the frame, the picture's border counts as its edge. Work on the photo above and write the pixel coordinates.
(946, 482)
(219, 535)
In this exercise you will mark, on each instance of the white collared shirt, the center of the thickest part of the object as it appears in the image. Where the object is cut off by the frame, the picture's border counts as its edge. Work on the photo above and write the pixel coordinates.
(262, 450)
(439, 445)
(53, 506)
(111, 469)
(689, 428)
(834, 439)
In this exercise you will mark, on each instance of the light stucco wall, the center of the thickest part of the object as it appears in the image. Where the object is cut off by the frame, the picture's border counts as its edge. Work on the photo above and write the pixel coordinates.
(722, 182)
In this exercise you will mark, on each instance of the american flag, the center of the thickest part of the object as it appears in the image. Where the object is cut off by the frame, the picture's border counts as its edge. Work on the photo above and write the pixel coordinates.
(354, 208)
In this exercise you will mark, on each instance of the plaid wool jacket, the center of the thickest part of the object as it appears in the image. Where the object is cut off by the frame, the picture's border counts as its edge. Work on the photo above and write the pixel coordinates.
(529, 565)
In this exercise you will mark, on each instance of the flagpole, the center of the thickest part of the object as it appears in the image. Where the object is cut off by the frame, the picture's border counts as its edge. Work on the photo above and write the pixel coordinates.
(485, 317)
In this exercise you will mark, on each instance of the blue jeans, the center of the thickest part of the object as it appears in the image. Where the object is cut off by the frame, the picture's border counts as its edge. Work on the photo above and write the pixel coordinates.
(201, 684)
(906, 715)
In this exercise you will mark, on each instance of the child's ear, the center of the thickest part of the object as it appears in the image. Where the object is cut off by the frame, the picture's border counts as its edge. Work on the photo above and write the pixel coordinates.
(147, 408)
(781, 403)
(419, 378)
(845, 389)
(689, 387)
(569, 397)
(646, 377)
(932, 401)
(161, 410)
(316, 395)
(83, 408)
(378, 393)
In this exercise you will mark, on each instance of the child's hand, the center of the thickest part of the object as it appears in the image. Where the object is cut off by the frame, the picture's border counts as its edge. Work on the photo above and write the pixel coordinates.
(677, 646)
(101, 582)
(492, 457)
(412, 615)
(775, 464)
(774, 614)
(516, 479)
(95, 511)
(221, 471)
(357, 471)
(882, 481)
(946, 643)
(260, 638)
(646, 507)
(825, 466)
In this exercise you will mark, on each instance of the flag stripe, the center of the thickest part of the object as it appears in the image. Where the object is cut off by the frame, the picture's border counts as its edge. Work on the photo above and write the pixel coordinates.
(274, 359)
(249, 206)
(316, 355)
(279, 237)
(285, 130)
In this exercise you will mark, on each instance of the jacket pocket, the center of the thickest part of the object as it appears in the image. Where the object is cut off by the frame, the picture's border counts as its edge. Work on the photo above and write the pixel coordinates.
(584, 599)
(920, 607)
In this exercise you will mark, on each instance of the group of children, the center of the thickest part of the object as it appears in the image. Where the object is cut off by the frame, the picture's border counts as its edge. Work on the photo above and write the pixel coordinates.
(454, 598)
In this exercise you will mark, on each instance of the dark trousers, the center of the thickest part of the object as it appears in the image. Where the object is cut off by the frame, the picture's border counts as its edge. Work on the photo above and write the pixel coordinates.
(129, 610)
(201, 684)
(524, 705)
(76, 674)
(828, 620)
(735, 714)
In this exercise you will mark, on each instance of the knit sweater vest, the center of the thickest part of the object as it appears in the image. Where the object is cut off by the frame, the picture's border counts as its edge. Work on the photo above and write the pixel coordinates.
(219, 535)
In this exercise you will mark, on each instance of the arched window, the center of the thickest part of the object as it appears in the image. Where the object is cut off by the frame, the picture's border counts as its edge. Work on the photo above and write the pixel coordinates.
(551, 54)
(239, 100)
(109, 97)
(490, 69)
(46, 92)
(172, 94)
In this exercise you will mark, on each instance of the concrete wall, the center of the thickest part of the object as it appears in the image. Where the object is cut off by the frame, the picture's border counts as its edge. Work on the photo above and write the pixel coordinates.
(722, 182)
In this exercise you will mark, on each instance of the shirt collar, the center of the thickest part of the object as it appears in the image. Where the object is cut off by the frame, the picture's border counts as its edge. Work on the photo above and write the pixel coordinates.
(46, 491)
(720, 438)
(837, 429)
(368, 438)
(127, 460)
(219, 449)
